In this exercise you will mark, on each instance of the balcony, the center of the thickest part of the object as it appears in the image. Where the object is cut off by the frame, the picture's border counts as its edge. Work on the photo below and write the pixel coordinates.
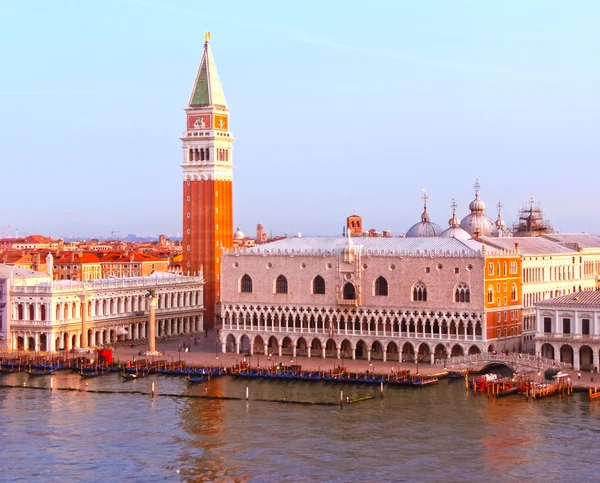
(348, 302)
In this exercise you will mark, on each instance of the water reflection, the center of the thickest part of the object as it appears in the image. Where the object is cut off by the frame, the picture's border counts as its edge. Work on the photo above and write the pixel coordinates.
(437, 433)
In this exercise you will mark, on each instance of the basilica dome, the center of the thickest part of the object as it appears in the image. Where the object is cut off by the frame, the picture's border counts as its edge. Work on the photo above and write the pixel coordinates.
(238, 235)
(454, 230)
(477, 223)
(425, 228)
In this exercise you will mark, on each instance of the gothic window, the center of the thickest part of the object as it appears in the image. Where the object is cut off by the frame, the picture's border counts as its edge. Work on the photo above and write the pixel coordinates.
(462, 293)
(490, 295)
(201, 154)
(31, 312)
(281, 284)
(190, 154)
(490, 268)
(246, 284)
(319, 285)
(419, 292)
(513, 292)
(227, 155)
(349, 292)
(207, 154)
(43, 312)
(381, 287)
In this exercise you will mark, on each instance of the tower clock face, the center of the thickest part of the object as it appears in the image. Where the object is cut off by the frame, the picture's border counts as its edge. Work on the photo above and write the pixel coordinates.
(199, 121)
(221, 122)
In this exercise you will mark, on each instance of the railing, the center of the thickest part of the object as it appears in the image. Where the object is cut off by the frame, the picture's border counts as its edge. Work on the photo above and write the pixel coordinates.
(103, 284)
(513, 359)
(554, 336)
(350, 332)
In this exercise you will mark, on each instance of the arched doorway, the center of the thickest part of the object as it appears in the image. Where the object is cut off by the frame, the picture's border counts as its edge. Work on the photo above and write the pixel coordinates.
(408, 352)
(20, 343)
(440, 352)
(349, 292)
(301, 347)
(474, 350)
(346, 349)
(330, 348)
(424, 353)
(245, 344)
(586, 358)
(44, 342)
(361, 350)
(315, 346)
(491, 348)
(548, 351)
(566, 354)
(273, 345)
(457, 351)
(230, 343)
(74, 341)
(65, 342)
(31, 344)
(392, 351)
(377, 351)
(286, 347)
(259, 345)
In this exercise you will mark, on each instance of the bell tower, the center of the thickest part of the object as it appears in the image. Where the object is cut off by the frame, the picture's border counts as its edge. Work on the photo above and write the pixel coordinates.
(207, 181)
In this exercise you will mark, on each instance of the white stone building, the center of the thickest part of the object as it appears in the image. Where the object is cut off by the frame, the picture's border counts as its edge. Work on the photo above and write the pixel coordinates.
(381, 298)
(37, 313)
(568, 329)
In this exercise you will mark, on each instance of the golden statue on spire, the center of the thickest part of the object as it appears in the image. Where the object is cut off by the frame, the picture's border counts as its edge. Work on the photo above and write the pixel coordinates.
(206, 36)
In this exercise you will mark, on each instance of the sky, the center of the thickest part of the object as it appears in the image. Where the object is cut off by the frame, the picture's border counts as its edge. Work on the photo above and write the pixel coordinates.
(336, 107)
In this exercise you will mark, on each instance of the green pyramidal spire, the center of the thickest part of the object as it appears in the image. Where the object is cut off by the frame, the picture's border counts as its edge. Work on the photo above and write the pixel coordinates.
(207, 89)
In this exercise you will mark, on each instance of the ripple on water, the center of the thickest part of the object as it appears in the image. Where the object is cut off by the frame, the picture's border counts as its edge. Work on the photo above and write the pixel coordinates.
(437, 433)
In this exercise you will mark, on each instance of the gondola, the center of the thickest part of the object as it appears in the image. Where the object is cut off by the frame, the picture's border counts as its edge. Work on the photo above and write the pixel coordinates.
(88, 374)
(40, 372)
(195, 380)
(130, 376)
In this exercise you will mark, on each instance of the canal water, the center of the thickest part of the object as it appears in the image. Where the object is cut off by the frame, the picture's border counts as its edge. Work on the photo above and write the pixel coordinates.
(438, 433)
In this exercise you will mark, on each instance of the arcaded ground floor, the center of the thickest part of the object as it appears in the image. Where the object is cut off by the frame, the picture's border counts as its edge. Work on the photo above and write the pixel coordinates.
(583, 356)
(386, 349)
(53, 339)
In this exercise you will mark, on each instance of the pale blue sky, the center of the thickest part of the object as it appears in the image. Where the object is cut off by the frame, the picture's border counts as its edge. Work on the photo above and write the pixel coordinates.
(336, 106)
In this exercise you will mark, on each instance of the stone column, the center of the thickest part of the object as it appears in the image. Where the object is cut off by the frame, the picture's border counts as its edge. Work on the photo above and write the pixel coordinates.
(369, 356)
(152, 334)
(324, 352)
(432, 358)
(280, 350)
(84, 315)
(339, 353)
(384, 356)
(354, 353)
(594, 359)
(294, 350)
(266, 350)
(308, 349)
(576, 358)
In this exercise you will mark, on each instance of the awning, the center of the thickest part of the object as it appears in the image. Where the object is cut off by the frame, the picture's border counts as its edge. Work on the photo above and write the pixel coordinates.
(122, 331)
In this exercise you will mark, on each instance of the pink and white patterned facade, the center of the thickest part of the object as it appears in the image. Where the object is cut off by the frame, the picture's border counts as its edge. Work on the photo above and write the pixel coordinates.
(381, 298)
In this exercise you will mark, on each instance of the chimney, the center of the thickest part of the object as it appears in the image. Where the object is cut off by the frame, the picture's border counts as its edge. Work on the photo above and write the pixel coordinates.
(516, 247)
(72, 256)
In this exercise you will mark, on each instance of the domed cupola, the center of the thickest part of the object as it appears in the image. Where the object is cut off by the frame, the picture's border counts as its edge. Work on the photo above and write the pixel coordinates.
(425, 228)
(500, 225)
(238, 235)
(478, 223)
(454, 230)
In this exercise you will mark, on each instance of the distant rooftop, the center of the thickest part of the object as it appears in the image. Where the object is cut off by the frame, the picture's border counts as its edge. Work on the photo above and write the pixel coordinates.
(576, 299)
(527, 245)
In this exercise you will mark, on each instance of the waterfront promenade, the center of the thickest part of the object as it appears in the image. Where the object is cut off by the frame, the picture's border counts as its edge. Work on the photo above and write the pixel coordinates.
(202, 353)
